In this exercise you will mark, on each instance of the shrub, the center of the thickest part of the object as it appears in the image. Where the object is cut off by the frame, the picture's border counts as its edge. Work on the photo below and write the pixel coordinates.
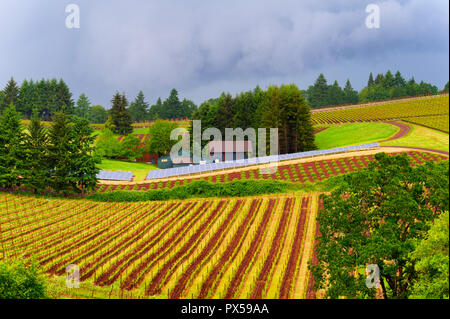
(198, 189)
(21, 281)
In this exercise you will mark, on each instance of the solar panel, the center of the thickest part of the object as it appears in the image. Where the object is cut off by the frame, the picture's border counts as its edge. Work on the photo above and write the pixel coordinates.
(178, 171)
(115, 175)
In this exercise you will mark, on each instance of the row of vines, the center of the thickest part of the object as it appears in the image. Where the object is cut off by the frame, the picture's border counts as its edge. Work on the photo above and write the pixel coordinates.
(256, 247)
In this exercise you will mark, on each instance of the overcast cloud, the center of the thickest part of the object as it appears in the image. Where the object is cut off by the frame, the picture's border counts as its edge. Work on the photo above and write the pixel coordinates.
(205, 47)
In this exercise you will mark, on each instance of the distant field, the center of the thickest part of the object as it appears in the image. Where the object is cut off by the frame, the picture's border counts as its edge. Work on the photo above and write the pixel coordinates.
(388, 111)
(420, 136)
(353, 134)
(139, 170)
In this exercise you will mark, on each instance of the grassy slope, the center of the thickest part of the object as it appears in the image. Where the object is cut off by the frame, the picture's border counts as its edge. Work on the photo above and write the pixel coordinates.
(353, 134)
(140, 170)
(420, 136)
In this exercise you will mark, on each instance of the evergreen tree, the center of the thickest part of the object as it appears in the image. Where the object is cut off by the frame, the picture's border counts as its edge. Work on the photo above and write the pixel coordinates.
(25, 102)
(412, 88)
(350, 95)
(225, 113)
(138, 108)
(37, 170)
(120, 116)
(445, 88)
(11, 95)
(12, 148)
(172, 106)
(2, 98)
(187, 108)
(335, 95)
(244, 109)
(371, 81)
(388, 80)
(84, 170)
(60, 154)
(63, 98)
(306, 139)
(272, 116)
(399, 80)
(319, 92)
(379, 79)
(83, 106)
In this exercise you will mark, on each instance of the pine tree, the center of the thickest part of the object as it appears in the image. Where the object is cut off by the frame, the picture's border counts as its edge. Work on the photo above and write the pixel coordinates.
(335, 95)
(63, 98)
(138, 108)
(319, 92)
(388, 80)
(60, 154)
(84, 170)
(272, 116)
(379, 79)
(12, 148)
(83, 106)
(371, 81)
(172, 106)
(187, 108)
(306, 139)
(25, 101)
(399, 80)
(120, 116)
(244, 110)
(225, 112)
(350, 95)
(11, 95)
(36, 177)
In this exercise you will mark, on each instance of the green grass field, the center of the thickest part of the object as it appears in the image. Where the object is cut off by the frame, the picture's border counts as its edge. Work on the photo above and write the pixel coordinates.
(353, 134)
(140, 170)
(420, 136)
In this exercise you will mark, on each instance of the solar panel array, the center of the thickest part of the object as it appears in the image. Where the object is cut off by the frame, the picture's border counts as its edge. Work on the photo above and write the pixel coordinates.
(195, 169)
(115, 175)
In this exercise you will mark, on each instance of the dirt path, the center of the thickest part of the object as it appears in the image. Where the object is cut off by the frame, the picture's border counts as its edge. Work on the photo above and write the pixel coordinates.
(404, 129)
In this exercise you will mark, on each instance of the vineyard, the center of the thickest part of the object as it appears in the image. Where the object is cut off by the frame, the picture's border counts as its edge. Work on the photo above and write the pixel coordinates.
(394, 110)
(239, 248)
(300, 173)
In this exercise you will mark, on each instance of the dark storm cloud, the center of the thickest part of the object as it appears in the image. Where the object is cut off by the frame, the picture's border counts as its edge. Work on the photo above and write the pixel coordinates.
(205, 47)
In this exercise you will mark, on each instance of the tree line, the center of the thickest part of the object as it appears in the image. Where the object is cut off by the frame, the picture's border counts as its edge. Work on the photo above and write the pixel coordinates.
(50, 96)
(382, 87)
(59, 159)
(282, 107)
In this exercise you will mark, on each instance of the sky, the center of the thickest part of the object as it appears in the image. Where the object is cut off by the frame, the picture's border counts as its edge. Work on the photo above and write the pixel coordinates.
(204, 48)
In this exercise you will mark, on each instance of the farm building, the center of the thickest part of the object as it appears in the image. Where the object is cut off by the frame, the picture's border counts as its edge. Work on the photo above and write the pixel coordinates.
(183, 159)
(230, 150)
